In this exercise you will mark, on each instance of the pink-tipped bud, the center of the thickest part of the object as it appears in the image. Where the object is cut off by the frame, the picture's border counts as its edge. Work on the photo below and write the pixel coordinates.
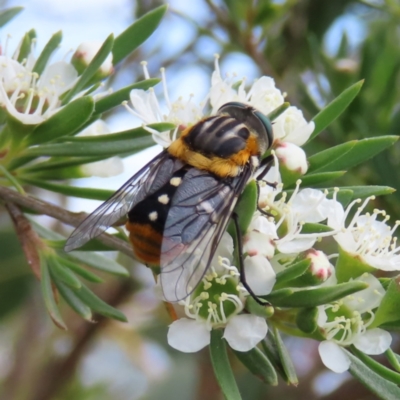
(84, 55)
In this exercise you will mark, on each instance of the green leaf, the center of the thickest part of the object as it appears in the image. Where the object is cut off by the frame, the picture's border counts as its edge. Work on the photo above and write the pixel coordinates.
(11, 179)
(284, 356)
(362, 192)
(25, 48)
(255, 308)
(8, 14)
(343, 196)
(366, 149)
(276, 295)
(115, 99)
(46, 53)
(137, 33)
(271, 350)
(222, 367)
(393, 358)
(65, 121)
(98, 305)
(306, 319)
(53, 164)
(315, 228)
(74, 302)
(105, 149)
(84, 273)
(315, 297)
(325, 158)
(376, 384)
(93, 245)
(291, 272)
(99, 262)
(359, 152)
(91, 69)
(109, 137)
(326, 116)
(259, 365)
(350, 267)
(85, 193)
(388, 310)
(274, 114)
(44, 232)
(246, 206)
(311, 180)
(60, 273)
(378, 368)
(48, 295)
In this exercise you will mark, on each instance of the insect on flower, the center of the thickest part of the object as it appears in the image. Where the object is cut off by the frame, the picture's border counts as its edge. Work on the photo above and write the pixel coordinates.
(179, 204)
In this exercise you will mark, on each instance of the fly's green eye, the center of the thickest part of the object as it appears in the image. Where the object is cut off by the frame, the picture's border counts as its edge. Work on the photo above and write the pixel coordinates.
(255, 120)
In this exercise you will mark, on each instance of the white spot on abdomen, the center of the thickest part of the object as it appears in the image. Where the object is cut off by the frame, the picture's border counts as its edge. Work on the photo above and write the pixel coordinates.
(163, 199)
(153, 216)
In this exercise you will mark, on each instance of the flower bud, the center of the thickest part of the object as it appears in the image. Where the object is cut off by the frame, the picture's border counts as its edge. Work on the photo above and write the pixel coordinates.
(84, 55)
(292, 161)
(318, 272)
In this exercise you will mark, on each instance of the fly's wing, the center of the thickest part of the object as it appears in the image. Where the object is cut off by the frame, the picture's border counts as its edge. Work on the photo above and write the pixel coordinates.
(200, 211)
(149, 179)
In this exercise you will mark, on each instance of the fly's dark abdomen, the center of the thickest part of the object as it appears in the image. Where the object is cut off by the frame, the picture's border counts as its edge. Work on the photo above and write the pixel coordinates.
(147, 220)
(220, 136)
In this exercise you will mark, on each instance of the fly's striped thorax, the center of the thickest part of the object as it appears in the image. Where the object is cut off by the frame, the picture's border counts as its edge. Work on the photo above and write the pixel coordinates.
(218, 136)
(146, 220)
(220, 144)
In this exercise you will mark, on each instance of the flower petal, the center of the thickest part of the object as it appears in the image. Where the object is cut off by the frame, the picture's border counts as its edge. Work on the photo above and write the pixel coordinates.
(333, 356)
(260, 275)
(256, 243)
(366, 299)
(374, 341)
(188, 335)
(245, 331)
(296, 245)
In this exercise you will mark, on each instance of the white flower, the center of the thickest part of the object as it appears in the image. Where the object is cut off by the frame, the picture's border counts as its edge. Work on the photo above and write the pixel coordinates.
(268, 193)
(365, 237)
(259, 240)
(292, 127)
(304, 206)
(348, 324)
(311, 205)
(105, 168)
(216, 303)
(147, 108)
(29, 97)
(373, 342)
(263, 95)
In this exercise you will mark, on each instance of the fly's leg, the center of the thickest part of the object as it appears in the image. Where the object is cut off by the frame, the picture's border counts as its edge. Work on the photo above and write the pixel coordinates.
(239, 246)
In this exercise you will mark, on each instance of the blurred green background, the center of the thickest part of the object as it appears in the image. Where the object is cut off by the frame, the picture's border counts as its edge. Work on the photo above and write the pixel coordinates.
(313, 49)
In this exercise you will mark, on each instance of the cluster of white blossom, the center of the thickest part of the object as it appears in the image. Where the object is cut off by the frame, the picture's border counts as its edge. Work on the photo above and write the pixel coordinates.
(33, 98)
(275, 239)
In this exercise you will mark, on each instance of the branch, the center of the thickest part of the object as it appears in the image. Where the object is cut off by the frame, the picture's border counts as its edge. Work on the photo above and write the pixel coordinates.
(29, 239)
(69, 218)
